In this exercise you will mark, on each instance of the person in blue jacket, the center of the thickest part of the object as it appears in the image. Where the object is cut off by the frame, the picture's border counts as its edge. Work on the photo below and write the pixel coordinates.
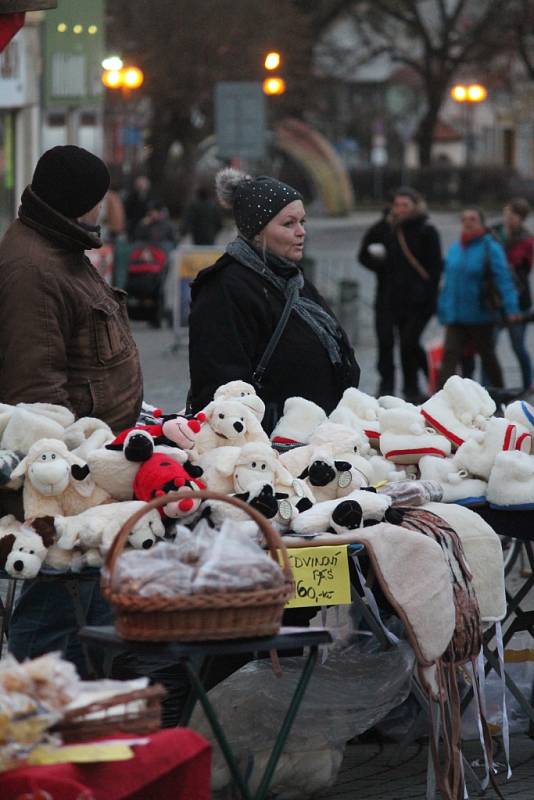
(462, 305)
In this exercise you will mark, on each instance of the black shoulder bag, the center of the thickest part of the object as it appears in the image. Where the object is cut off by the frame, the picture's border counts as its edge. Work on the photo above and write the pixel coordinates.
(263, 363)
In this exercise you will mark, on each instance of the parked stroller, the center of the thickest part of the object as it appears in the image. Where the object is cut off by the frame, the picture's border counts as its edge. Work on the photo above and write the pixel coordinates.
(145, 283)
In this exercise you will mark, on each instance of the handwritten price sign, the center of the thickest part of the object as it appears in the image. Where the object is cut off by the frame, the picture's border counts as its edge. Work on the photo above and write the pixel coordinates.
(321, 576)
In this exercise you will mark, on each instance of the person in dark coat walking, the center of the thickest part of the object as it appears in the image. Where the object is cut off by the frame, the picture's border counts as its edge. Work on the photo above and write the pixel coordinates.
(518, 243)
(403, 249)
(238, 302)
(202, 219)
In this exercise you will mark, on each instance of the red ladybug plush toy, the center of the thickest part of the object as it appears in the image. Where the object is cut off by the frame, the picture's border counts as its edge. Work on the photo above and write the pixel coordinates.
(160, 475)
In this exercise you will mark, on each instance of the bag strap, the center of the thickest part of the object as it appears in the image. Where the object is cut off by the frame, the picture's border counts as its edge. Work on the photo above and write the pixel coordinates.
(263, 363)
(412, 260)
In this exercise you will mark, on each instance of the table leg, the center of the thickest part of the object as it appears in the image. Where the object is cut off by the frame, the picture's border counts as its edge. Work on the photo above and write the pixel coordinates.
(7, 611)
(218, 732)
(191, 699)
(286, 725)
(73, 589)
(493, 661)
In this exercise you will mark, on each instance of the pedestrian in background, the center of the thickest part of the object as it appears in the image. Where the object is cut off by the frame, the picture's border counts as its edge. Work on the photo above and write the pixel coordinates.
(113, 218)
(518, 244)
(476, 279)
(156, 227)
(137, 204)
(202, 218)
(403, 249)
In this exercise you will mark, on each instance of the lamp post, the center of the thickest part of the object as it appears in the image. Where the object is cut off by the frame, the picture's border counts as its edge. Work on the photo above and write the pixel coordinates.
(469, 95)
(116, 76)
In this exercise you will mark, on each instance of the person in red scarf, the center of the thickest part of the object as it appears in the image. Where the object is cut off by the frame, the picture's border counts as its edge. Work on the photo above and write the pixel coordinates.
(518, 243)
(463, 305)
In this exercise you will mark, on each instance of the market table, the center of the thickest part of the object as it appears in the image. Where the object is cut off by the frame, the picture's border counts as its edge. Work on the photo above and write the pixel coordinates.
(195, 656)
(174, 764)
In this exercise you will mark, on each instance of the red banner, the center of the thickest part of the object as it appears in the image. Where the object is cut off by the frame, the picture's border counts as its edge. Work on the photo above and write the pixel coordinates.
(9, 25)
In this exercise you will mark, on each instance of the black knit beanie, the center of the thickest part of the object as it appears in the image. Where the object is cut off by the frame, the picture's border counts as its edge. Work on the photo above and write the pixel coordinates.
(254, 201)
(70, 179)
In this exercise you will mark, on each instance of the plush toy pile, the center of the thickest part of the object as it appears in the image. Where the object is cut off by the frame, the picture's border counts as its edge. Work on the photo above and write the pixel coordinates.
(80, 482)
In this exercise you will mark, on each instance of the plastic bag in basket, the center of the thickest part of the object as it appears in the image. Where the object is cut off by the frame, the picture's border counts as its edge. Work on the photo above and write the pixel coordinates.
(158, 571)
(236, 564)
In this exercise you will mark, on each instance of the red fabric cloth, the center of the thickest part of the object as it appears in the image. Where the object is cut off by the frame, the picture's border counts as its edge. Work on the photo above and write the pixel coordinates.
(175, 764)
(9, 25)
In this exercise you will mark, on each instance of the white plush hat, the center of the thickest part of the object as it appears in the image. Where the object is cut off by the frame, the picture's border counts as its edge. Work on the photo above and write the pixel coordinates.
(404, 437)
(458, 486)
(300, 419)
(511, 482)
(477, 454)
(459, 409)
(523, 413)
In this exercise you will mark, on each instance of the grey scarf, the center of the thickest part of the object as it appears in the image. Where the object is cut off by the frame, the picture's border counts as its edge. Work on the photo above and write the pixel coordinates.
(322, 324)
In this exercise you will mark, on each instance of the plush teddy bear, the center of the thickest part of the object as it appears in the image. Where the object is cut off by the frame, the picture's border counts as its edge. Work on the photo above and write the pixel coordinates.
(97, 527)
(56, 481)
(162, 474)
(459, 409)
(404, 439)
(360, 411)
(300, 419)
(245, 393)
(228, 422)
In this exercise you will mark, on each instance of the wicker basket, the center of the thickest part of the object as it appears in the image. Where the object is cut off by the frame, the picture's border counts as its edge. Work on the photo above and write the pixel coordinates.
(198, 617)
(137, 711)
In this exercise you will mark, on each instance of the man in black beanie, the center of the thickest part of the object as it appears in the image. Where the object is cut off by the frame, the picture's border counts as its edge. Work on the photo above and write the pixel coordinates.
(64, 339)
(64, 333)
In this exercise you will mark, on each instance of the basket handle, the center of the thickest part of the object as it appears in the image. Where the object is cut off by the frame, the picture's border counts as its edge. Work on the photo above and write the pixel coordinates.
(272, 537)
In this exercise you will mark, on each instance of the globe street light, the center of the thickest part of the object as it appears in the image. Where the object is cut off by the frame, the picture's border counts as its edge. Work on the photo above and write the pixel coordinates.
(470, 94)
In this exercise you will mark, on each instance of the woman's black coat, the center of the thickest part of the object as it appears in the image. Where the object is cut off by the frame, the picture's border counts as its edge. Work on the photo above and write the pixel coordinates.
(233, 315)
(399, 285)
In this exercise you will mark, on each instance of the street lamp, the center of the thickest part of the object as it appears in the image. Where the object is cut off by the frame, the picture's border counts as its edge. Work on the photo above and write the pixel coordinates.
(470, 94)
(126, 134)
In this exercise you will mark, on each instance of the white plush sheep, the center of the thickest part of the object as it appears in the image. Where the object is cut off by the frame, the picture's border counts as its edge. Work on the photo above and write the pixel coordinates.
(56, 482)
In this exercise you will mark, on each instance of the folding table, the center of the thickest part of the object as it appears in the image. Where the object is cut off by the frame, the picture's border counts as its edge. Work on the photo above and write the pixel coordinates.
(195, 656)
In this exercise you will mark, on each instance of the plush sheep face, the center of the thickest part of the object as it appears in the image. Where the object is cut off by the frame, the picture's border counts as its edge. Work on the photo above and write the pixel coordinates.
(146, 531)
(250, 473)
(27, 554)
(49, 474)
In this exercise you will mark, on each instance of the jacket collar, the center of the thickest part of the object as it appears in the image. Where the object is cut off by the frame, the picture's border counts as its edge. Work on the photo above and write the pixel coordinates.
(68, 233)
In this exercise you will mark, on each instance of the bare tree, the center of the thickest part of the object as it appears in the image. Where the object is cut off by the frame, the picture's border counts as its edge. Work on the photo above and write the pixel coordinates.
(436, 39)
(185, 47)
